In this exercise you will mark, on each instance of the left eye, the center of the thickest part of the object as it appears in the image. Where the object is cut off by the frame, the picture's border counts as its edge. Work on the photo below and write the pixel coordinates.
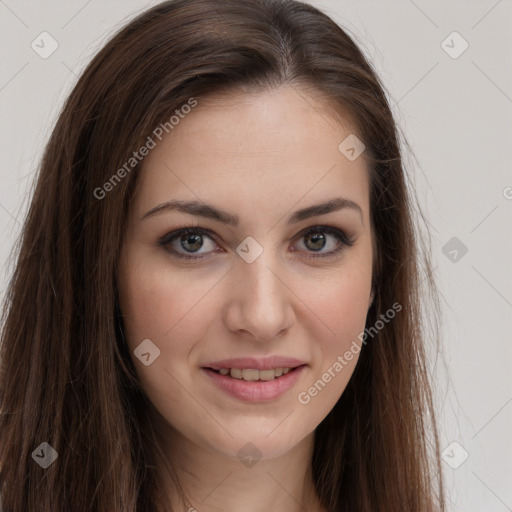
(191, 240)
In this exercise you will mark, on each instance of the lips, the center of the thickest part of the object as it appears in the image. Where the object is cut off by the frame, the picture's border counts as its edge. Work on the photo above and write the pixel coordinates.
(255, 380)
(251, 374)
(266, 363)
(255, 391)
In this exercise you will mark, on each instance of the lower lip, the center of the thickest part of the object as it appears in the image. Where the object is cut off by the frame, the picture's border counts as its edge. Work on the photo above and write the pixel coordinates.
(256, 390)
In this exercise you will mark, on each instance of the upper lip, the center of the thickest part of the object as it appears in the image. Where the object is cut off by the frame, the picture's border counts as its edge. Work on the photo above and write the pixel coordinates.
(263, 363)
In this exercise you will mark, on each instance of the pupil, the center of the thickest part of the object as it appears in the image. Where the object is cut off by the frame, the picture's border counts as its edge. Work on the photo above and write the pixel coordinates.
(192, 239)
(318, 241)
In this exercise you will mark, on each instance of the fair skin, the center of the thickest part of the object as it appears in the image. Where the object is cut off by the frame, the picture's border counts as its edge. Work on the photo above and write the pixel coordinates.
(260, 157)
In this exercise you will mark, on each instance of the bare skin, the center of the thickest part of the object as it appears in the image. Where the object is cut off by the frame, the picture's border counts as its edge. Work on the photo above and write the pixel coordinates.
(260, 157)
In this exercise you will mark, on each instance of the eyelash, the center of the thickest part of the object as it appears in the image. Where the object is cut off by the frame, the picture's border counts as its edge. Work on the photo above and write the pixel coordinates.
(165, 241)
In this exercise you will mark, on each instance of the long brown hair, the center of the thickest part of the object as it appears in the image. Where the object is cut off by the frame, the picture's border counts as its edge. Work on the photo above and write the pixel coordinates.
(66, 377)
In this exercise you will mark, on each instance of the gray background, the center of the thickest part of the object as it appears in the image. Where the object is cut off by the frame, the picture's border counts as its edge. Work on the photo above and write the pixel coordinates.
(457, 115)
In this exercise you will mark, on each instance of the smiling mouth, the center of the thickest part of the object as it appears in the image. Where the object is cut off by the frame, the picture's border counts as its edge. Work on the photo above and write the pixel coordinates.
(251, 374)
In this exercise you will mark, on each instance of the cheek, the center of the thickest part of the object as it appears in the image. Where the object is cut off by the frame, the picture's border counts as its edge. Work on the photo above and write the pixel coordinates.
(341, 304)
(157, 303)
(340, 307)
(342, 310)
(172, 309)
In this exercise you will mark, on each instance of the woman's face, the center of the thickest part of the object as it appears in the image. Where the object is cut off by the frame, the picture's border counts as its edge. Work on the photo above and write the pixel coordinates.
(265, 286)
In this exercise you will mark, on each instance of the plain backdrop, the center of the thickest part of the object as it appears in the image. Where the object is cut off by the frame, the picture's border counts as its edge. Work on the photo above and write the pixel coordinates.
(447, 66)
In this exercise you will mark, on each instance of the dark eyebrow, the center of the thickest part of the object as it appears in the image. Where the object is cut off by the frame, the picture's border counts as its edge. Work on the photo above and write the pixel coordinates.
(204, 210)
(333, 205)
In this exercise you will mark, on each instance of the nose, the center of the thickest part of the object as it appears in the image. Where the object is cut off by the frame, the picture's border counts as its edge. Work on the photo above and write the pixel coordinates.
(261, 304)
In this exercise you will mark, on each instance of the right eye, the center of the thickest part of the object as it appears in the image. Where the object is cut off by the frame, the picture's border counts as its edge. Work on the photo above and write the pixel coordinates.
(189, 239)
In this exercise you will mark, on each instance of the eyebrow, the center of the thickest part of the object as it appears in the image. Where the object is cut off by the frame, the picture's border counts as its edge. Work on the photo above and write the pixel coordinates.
(208, 211)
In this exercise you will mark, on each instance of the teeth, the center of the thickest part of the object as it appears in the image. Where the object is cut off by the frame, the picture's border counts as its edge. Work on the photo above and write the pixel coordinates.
(267, 374)
(236, 373)
(250, 374)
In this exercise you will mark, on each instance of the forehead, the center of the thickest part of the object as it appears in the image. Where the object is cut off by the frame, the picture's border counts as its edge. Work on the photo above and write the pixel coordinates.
(262, 149)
